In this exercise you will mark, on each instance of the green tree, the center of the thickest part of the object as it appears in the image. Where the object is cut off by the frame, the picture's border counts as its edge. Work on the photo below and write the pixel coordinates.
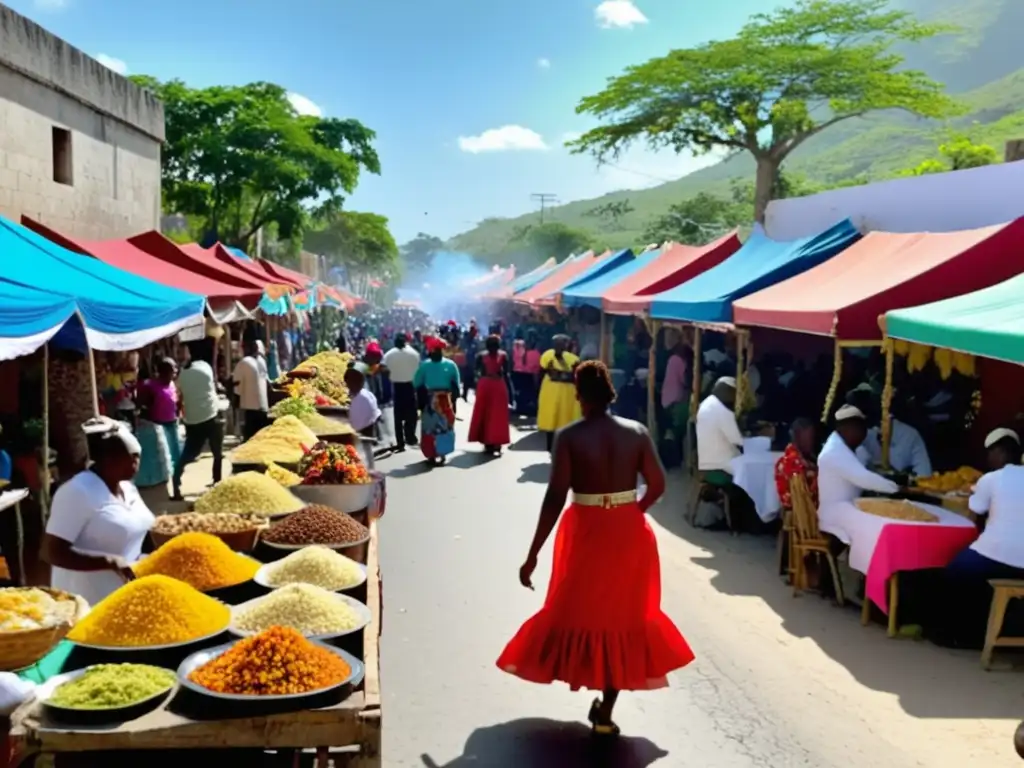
(698, 220)
(238, 158)
(539, 242)
(361, 242)
(787, 76)
(611, 214)
(419, 251)
(958, 153)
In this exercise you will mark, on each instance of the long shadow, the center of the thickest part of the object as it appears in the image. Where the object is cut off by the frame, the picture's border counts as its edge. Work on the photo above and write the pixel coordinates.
(535, 473)
(535, 441)
(470, 459)
(929, 681)
(542, 743)
(411, 470)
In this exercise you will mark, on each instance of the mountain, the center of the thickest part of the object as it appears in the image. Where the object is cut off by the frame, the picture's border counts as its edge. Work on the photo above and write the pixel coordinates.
(980, 64)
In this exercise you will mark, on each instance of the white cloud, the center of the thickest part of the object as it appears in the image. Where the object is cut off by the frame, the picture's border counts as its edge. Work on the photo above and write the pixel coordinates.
(304, 105)
(619, 14)
(111, 63)
(504, 139)
(544, 63)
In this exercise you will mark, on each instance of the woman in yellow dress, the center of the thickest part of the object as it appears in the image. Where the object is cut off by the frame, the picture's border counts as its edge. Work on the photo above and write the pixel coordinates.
(557, 405)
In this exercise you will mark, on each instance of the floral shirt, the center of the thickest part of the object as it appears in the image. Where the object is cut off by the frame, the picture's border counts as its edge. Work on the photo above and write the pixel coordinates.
(793, 463)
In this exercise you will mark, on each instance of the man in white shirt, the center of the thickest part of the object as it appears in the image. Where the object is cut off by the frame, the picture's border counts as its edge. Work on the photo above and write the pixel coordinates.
(402, 362)
(907, 450)
(363, 411)
(842, 477)
(251, 383)
(201, 407)
(719, 440)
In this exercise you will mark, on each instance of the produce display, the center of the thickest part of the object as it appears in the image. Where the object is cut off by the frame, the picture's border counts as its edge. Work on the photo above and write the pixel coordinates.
(325, 384)
(285, 477)
(201, 560)
(960, 480)
(946, 360)
(311, 610)
(306, 389)
(151, 610)
(333, 464)
(278, 661)
(209, 522)
(249, 493)
(28, 608)
(113, 686)
(316, 565)
(286, 440)
(896, 510)
(317, 524)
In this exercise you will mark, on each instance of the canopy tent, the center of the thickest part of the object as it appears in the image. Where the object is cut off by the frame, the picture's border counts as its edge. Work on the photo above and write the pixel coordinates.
(989, 322)
(676, 265)
(225, 303)
(574, 293)
(561, 276)
(220, 255)
(496, 279)
(588, 290)
(761, 262)
(845, 296)
(523, 282)
(283, 274)
(196, 259)
(43, 285)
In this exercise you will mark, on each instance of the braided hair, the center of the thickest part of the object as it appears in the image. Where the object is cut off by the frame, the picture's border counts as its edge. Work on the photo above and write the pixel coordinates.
(594, 385)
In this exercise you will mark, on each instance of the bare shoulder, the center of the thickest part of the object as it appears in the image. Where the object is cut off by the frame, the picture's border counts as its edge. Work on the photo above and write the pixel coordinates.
(571, 431)
(632, 426)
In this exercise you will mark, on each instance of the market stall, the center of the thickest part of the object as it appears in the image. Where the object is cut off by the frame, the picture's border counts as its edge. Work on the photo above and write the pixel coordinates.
(521, 283)
(558, 278)
(267, 560)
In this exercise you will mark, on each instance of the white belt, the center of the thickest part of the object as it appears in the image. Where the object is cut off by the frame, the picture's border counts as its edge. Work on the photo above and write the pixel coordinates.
(620, 499)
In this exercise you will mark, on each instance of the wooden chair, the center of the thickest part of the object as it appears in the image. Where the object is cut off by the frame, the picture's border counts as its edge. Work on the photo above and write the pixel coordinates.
(1005, 590)
(701, 489)
(787, 565)
(806, 538)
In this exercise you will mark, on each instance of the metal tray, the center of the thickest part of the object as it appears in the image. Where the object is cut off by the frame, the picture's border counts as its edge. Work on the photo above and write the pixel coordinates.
(261, 579)
(360, 608)
(146, 648)
(198, 659)
(107, 716)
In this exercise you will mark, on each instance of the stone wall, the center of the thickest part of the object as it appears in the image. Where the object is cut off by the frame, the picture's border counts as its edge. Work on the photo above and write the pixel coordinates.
(115, 127)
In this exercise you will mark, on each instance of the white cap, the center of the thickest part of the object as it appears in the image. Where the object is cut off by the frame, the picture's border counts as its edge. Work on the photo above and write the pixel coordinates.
(727, 381)
(850, 412)
(106, 427)
(998, 434)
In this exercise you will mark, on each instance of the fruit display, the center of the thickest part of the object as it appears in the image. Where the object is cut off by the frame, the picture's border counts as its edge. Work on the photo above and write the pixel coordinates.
(332, 464)
(320, 379)
(960, 480)
(946, 360)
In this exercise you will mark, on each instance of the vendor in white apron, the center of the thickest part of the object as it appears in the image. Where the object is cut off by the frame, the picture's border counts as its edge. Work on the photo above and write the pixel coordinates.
(98, 522)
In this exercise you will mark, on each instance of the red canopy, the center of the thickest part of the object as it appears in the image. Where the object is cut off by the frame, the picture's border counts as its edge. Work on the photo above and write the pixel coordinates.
(844, 296)
(126, 255)
(558, 279)
(219, 255)
(677, 264)
(284, 274)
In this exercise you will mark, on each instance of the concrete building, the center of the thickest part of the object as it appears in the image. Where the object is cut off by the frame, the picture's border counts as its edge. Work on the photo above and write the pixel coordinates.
(79, 143)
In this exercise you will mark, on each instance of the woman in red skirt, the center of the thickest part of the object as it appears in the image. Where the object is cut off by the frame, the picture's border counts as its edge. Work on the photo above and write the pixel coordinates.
(489, 424)
(601, 626)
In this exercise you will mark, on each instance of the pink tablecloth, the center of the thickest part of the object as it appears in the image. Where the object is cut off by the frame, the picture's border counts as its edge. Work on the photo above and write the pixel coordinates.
(912, 547)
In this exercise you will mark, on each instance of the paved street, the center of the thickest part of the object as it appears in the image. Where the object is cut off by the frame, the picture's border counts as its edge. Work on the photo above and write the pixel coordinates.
(778, 681)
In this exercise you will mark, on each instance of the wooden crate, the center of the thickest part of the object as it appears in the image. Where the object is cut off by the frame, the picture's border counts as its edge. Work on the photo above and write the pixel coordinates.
(354, 723)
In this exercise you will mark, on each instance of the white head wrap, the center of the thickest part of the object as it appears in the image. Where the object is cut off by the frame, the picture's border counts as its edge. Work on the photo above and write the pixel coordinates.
(998, 434)
(108, 428)
(727, 381)
(850, 412)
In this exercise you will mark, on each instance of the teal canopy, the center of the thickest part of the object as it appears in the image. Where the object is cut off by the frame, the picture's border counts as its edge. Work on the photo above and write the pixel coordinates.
(989, 322)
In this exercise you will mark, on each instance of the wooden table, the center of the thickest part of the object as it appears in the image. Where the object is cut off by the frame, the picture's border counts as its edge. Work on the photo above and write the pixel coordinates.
(353, 725)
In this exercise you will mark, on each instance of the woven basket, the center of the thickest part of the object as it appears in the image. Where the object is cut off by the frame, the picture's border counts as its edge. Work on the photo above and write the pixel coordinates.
(23, 649)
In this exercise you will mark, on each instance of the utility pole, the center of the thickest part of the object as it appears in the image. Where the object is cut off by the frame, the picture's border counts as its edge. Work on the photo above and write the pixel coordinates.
(544, 199)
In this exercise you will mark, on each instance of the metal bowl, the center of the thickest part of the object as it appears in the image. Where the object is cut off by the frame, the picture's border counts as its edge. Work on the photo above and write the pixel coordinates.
(198, 659)
(261, 579)
(342, 497)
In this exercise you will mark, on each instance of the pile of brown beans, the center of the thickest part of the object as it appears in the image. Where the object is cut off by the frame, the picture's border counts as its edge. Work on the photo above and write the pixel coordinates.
(317, 524)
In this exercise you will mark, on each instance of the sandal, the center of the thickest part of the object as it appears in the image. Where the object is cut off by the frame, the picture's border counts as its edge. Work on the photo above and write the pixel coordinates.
(598, 728)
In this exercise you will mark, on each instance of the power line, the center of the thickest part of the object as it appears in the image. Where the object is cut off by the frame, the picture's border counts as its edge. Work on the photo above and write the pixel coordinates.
(544, 199)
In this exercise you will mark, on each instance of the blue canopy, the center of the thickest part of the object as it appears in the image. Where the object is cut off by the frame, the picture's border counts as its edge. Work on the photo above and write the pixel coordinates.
(761, 262)
(43, 285)
(598, 269)
(588, 291)
(530, 279)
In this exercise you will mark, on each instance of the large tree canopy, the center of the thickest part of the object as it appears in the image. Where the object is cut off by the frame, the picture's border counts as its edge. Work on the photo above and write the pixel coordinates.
(419, 251)
(361, 242)
(787, 76)
(239, 158)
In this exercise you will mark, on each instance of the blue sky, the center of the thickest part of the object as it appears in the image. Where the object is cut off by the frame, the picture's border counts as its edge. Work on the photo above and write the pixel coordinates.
(471, 99)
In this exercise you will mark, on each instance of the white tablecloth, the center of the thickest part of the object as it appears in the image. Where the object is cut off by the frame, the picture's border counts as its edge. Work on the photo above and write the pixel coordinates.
(755, 474)
(861, 530)
(9, 498)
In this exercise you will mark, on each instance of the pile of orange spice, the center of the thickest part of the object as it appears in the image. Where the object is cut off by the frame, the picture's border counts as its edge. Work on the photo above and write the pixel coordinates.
(275, 662)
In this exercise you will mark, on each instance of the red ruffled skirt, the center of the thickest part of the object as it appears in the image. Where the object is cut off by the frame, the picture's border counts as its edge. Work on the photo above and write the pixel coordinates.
(601, 625)
(489, 423)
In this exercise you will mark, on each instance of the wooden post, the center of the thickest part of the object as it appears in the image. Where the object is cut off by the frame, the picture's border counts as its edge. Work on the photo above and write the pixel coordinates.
(837, 375)
(887, 393)
(652, 362)
(604, 340)
(697, 360)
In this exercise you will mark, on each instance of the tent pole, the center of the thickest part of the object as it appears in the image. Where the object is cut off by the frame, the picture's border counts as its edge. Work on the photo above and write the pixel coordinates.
(837, 375)
(604, 338)
(741, 372)
(93, 384)
(652, 357)
(887, 393)
(697, 360)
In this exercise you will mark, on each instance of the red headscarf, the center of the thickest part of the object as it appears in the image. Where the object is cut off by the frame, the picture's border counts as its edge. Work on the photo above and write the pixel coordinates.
(373, 348)
(435, 344)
